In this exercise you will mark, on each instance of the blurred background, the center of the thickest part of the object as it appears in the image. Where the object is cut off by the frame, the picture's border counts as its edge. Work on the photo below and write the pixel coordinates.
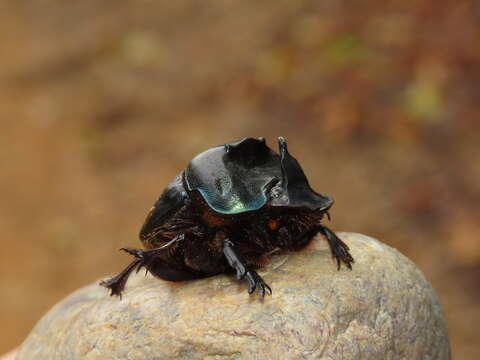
(102, 103)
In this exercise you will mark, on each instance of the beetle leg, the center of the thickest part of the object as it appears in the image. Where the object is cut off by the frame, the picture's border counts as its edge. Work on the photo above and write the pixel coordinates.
(143, 258)
(147, 256)
(338, 248)
(117, 283)
(244, 271)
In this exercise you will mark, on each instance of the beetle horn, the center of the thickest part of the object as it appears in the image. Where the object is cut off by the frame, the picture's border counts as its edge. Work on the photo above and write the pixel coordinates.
(282, 147)
(296, 184)
(292, 173)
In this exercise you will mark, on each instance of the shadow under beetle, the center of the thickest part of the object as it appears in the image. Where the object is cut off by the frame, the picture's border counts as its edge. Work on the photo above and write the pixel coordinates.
(233, 206)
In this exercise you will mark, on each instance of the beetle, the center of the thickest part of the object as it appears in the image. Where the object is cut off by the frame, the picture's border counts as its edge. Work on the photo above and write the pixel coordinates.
(232, 207)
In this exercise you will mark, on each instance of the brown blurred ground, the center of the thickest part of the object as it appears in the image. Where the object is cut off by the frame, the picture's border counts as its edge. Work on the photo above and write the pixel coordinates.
(102, 103)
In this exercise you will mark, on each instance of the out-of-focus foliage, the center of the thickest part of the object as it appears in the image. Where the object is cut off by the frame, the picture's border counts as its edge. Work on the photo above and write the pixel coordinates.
(102, 103)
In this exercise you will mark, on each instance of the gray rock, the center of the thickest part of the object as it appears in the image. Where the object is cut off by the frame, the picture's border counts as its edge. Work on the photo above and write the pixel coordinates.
(383, 309)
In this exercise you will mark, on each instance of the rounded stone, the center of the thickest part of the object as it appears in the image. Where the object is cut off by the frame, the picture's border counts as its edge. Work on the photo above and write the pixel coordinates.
(382, 309)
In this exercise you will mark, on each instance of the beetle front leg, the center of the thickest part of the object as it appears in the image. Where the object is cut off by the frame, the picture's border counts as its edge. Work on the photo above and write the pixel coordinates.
(146, 256)
(116, 284)
(143, 258)
(243, 270)
(340, 250)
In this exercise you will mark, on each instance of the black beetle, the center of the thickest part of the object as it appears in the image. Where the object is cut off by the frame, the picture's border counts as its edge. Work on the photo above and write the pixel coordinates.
(233, 206)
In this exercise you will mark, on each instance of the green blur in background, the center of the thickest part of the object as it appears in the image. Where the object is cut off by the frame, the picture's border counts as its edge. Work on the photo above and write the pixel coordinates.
(102, 103)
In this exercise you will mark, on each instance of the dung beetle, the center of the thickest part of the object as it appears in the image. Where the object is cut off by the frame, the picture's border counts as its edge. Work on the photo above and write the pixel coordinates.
(233, 206)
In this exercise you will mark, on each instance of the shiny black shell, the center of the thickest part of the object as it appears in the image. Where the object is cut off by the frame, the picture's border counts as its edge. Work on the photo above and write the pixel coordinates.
(238, 177)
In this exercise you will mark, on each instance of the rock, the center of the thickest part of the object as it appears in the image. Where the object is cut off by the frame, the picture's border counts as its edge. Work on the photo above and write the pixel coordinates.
(383, 309)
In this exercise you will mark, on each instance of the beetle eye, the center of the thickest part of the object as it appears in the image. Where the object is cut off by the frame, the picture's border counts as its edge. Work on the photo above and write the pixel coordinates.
(273, 224)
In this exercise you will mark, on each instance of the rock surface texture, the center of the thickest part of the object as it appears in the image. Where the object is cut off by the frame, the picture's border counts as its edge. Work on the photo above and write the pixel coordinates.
(382, 309)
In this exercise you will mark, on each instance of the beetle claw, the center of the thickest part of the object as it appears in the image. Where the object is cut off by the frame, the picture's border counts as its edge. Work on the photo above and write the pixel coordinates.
(143, 258)
(341, 254)
(116, 284)
(243, 270)
(255, 281)
(340, 250)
